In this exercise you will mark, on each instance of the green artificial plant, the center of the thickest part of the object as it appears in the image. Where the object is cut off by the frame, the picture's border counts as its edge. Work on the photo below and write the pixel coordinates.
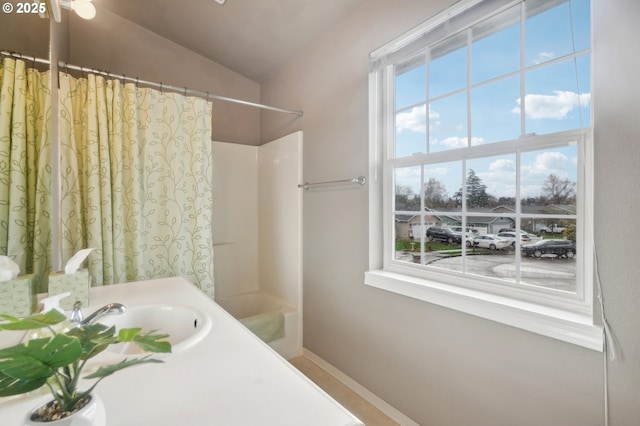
(57, 361)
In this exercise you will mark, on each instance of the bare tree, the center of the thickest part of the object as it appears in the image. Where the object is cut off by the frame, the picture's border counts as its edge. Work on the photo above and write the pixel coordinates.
(435, 194)
(557, 190)
(406, 199)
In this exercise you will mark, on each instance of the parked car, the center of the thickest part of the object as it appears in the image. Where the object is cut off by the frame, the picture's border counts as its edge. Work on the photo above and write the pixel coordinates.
(443, 234)
(470, 234)
(512, 237)
(532, 237)
(470, 231)
(560, 248)
(492, 242)
(553, 229)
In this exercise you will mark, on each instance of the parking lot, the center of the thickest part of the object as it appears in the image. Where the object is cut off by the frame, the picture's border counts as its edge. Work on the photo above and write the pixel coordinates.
(551, 272)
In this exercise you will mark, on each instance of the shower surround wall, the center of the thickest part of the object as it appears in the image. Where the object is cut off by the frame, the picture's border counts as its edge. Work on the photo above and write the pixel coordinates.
(258, 223)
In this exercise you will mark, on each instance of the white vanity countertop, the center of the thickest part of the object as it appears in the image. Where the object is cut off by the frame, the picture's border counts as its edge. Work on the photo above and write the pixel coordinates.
(229, 378)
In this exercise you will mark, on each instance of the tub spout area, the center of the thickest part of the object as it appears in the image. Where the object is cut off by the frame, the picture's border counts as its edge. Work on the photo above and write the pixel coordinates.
(268, 326)
(271, 319)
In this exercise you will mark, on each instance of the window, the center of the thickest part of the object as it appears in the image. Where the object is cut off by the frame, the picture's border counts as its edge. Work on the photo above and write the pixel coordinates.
(481, 125)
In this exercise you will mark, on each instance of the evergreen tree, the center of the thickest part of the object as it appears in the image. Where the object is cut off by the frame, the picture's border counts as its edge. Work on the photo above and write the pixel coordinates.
(476, 192)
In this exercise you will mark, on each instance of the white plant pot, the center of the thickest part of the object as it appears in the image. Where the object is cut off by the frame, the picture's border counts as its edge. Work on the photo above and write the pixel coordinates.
(92, 414)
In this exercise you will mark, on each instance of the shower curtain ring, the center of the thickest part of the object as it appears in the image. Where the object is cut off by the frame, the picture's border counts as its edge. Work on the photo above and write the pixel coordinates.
(161, 87)
(185, 91)
(137, 81)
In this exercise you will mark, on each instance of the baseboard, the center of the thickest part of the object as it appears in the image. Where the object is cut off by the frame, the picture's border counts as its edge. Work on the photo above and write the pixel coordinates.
(369, 396)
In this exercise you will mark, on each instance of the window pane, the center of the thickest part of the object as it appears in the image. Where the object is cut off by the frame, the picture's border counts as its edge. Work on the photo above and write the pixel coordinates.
(548, 181)
(448, 123)
(411, 131)
(496, 46)
(492, 112)
(548, 260)
(491, 186)
(553, 101)
(548, 31)
(581, 20)
(444, 246)
(407, 188)
(408, 238)
(448, 66)
(411, 85)
(441, 183)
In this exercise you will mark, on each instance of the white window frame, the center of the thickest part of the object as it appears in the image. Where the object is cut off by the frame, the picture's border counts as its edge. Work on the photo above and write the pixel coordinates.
(570, 319)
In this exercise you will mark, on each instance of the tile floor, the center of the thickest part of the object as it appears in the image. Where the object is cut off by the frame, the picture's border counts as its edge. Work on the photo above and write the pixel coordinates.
(362, 409)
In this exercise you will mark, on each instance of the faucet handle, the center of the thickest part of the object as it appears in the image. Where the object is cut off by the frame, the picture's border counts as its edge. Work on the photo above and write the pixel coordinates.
(76, 316)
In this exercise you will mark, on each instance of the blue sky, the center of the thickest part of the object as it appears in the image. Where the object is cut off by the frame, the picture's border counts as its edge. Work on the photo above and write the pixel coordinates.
(557, 97)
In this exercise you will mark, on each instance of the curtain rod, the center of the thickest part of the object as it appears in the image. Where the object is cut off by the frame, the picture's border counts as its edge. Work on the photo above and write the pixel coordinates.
(160, 86)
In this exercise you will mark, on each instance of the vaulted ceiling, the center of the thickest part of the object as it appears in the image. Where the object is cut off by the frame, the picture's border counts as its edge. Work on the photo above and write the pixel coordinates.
(251, 37)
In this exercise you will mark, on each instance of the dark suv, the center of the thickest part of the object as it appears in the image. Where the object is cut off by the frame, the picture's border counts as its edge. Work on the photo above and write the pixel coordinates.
(560, 248)
(443, 234)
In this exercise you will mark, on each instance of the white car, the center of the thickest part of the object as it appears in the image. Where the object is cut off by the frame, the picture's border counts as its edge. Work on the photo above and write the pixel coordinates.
(512, 236)
(492, 242)
(470, 234)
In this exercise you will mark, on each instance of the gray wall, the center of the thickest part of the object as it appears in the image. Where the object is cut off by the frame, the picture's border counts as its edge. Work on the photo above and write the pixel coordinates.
(24, 33)
(137, 52)
(438, 366)
(114, 44)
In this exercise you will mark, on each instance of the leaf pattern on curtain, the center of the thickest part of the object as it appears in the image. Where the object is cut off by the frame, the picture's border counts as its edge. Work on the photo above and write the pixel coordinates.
(25, 172)
(136, 181)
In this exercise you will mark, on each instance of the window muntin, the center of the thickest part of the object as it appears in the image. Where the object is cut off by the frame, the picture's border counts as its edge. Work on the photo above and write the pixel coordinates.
(473, 116)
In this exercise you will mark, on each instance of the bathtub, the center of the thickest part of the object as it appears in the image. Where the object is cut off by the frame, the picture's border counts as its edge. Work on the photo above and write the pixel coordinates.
(248, 307)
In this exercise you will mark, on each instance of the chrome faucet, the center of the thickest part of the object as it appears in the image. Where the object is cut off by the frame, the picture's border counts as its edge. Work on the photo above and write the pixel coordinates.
(77, 319)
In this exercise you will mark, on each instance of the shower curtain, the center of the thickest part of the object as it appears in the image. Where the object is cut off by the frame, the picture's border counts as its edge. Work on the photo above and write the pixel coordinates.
(25, 173)
(136, 181)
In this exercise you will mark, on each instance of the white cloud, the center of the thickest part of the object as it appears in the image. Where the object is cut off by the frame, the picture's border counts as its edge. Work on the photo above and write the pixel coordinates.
(544, 57)
(457, 142)
(453, 142)
(439, 171)
(500, 177)
(556, 106)
(503, 165)
(476, 141)
(415, 119)
(550, 162)
(409, 176)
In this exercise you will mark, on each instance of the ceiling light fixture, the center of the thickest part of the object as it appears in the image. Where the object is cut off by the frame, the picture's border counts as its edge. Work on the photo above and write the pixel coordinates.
(221, 1)
(83, 8)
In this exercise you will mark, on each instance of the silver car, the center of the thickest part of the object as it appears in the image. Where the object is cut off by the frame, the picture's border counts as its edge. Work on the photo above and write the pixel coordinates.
(491, 242)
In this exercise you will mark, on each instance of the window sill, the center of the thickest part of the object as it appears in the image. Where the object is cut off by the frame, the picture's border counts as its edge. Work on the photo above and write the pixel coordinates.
(558, 324)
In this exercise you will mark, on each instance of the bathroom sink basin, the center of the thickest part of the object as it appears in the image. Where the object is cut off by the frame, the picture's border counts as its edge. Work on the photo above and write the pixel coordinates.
(185, 326)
